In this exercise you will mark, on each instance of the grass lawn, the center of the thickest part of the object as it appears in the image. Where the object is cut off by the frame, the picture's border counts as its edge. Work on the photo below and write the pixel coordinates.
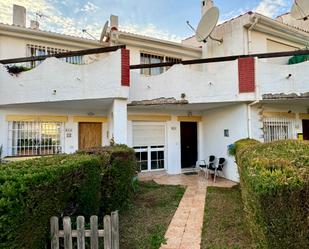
(224, 224)
(143, 226)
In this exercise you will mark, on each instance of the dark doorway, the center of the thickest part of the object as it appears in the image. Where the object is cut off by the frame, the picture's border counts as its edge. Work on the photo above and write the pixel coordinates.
(188, 133)
(306, 129)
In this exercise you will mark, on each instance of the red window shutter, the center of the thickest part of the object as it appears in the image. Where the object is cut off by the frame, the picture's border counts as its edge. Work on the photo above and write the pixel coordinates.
(246, 75)
(125, 67)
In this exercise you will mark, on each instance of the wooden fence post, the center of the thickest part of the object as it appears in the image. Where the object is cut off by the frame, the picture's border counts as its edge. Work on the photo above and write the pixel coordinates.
(54, 231)
(80, 232)
(94, 232)
(115, 230)
(107, 232)
(67, 233)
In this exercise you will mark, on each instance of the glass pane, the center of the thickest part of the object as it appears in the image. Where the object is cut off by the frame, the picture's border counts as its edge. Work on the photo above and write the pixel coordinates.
(143, 165)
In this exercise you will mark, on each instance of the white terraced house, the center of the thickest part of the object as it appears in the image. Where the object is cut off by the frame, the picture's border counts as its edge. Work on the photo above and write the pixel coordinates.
(172, 116)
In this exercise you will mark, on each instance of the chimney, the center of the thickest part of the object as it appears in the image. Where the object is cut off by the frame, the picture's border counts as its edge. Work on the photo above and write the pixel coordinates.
(114, 22)
(19, 15)
(206, 5)
(34, 24)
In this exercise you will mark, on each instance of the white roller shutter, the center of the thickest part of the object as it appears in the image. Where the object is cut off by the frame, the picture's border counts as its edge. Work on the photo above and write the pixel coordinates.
(148, 134)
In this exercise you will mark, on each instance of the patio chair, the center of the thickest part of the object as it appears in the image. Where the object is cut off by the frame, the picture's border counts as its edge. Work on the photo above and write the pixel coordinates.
(209, 166)
(221, 163)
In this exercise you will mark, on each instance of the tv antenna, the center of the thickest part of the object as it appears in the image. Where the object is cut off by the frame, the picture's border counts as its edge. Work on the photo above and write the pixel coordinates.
(300, 10)
(86, 32)
(40, 15)
(104, 34)
(206, 26)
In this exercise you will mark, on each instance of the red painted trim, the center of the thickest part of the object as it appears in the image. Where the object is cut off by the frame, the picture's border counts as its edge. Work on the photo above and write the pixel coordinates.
(125, 67)
(246, 75)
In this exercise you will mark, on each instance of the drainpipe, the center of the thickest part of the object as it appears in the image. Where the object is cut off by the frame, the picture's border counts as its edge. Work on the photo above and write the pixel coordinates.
(255, 22)
(250, 118)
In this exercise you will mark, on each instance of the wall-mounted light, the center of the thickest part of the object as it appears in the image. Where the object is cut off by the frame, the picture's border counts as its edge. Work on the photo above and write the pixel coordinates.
(189, 114)
(90, 114)
(54, 92)
(183, 96)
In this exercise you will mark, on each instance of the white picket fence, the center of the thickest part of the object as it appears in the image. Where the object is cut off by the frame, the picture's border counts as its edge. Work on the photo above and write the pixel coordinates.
(110, 233)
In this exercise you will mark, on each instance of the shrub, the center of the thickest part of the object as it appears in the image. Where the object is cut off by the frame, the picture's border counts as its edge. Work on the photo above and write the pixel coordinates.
(93, 182)
(32, 191)
(117, 186)
(275, 188)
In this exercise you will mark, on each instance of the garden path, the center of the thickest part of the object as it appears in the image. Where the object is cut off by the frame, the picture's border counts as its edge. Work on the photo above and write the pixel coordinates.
(185, 229)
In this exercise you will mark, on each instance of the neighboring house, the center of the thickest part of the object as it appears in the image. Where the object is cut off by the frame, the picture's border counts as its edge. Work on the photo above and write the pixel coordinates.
(172, 117)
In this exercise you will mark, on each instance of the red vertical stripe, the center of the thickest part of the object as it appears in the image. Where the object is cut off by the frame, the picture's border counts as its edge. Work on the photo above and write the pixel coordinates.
(125, 67)
(246, 75)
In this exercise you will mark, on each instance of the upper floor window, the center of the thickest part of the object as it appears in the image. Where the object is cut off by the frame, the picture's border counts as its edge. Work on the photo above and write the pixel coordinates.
(36, 50)
(151, 59)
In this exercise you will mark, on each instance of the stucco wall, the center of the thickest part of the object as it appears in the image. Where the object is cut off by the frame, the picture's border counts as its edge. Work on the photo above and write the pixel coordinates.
(274, 78)
(233, 118)
(55, 80)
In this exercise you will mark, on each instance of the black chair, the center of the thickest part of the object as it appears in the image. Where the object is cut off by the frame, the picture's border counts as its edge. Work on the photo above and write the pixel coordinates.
(221, 163)
(208, 166)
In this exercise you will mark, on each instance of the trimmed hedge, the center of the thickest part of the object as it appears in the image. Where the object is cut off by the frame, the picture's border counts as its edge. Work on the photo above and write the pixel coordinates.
(275, 189)
(33, 191)
(117, 179)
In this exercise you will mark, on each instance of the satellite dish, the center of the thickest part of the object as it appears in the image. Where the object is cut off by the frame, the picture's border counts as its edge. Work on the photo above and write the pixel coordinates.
(104, 32)
(300, 10)
(207, 24)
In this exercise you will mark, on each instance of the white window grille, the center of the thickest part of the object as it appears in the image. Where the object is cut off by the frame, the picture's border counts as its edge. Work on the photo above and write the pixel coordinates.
(278, 128)
(35, 138)
(36, 50)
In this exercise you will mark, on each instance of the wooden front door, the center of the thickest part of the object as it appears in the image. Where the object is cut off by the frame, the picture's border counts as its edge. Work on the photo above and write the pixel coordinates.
(89, 135)
(306, 129)
(188, 132)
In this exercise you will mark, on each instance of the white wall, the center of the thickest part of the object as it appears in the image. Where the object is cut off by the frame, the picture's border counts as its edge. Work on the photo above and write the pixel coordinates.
(218, 84)
(54, 80)
(233, 118)
(273, 79)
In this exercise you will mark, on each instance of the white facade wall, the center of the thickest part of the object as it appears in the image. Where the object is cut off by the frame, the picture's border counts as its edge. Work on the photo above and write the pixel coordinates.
(55, 80)
(234, 119)
(275, 78)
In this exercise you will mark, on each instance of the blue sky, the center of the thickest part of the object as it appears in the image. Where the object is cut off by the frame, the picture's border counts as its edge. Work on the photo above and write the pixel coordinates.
(160, 18)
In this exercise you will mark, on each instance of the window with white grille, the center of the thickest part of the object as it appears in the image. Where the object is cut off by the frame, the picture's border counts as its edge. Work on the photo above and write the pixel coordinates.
(36, 50)
(35, 138)
(278, 128)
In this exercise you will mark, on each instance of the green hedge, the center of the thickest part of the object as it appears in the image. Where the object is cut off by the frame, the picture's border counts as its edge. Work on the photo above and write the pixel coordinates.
(117, 179)
(33, 191)
(275, 190)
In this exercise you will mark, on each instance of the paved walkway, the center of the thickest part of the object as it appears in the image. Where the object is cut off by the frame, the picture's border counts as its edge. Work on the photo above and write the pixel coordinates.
(185, 229)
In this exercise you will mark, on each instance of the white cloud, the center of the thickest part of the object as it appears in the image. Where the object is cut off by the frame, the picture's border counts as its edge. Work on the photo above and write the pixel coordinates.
(271, 8)
(88, 8)
(150, 30)
(57, 22)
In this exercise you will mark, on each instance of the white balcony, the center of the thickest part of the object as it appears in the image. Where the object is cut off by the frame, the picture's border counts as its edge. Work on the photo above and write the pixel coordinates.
(55, 81)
